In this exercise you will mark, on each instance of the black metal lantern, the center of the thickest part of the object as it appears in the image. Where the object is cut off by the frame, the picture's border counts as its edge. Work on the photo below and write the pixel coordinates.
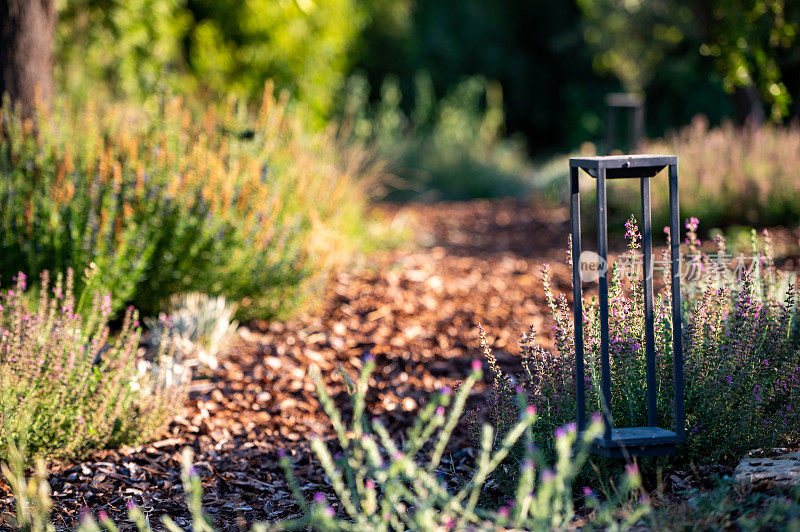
(628, 441)
(618, 103)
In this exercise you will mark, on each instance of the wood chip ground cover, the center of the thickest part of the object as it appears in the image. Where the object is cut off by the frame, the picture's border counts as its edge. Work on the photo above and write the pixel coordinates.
(415, 309)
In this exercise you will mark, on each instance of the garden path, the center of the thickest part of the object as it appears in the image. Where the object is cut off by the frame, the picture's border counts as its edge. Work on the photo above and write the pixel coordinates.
(416, 309)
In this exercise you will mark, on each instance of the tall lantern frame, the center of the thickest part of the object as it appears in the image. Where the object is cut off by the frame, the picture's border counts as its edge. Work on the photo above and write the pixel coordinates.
(628, 441)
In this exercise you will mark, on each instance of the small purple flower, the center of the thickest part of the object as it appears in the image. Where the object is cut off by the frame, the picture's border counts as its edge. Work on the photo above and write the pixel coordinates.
(503, 511)
(547, 475)
(370, 484)
(446, 391)
(476, 365)
(130, 505)
(440, 411)
(587, 491)
(329, 512)
(102, 515)
(319, 497)
(105, 305)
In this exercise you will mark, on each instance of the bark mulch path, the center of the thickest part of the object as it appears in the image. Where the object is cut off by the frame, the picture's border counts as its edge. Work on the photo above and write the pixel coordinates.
(415, 309)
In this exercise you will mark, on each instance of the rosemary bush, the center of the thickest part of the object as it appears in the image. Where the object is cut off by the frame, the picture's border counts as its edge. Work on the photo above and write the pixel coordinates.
(741, 351)
(170, 197)
(383, 484)
(66, 386)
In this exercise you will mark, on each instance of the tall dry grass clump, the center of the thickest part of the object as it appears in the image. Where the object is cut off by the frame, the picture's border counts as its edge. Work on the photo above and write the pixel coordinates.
(731, 175)
(176, 197)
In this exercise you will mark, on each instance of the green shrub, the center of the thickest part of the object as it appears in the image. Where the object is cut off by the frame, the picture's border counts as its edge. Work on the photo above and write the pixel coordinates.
(450, 148)
(169, 199)
(384, 484)
(66, 386)
(217, 47)
(730, 506)
(741, 350)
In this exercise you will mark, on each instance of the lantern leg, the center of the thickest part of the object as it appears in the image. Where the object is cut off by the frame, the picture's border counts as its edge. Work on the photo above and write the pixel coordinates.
(649, 328)
(577, 298)
(602, 250)
(675, 271)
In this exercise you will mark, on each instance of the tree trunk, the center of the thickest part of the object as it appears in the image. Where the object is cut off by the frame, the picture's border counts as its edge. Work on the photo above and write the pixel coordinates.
(748, 105)
(27, 32)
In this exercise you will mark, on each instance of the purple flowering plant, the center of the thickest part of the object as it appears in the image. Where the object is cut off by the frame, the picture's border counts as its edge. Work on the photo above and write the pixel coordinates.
(741, 343)
(66, 385)
(381, 482)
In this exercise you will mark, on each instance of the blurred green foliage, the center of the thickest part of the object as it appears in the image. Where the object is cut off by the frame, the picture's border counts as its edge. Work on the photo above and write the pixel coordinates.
(443, 148)
(554, 60)
(128, 48)
(749, 39)
(137, 47)
(538, 54)
(631, 38)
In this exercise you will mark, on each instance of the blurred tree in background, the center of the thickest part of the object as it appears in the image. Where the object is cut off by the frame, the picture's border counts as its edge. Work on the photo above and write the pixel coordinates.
(539, 54)
(555, 60)
(26, 51)
(631, 38)
(747, 39)
(751, 41)
(305, 45)
(130, 48)
(138, 47)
